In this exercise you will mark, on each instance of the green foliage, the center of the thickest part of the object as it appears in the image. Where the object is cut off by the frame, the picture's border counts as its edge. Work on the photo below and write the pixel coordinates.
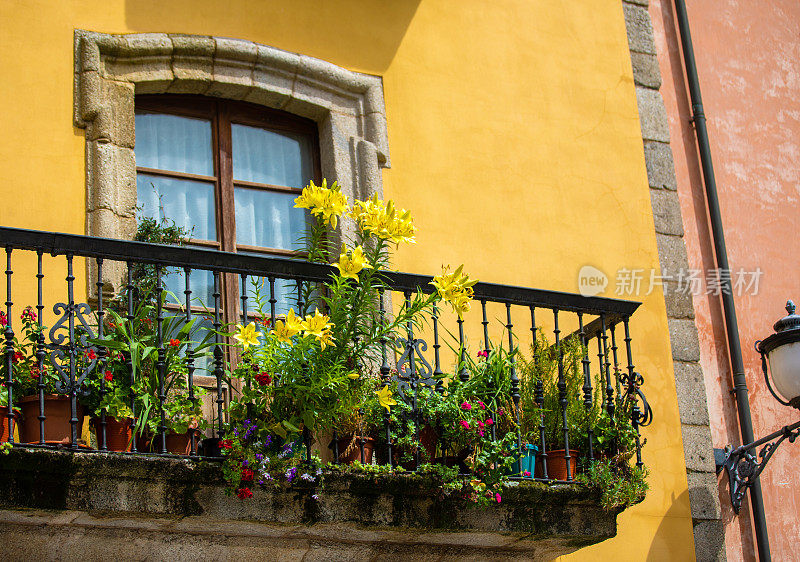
(621, 485)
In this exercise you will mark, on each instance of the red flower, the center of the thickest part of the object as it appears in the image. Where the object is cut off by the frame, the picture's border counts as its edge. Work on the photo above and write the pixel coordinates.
(28, 314)
(18, 356)
(34, 372)
(174, 343)
(244, 493)
(266, 322)
(247, 475)
(489, 421)
(483, 353)
(263, 378)
(3, 319)
(226, 444)
(109, 376)
(91, 355)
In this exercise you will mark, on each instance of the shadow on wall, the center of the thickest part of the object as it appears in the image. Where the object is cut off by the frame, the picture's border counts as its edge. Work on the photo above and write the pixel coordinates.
(710, 532)
(360, 36)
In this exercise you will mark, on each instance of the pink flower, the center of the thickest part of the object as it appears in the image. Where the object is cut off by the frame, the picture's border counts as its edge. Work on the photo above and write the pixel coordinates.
(482, 405)
(501, 412)
(465, 424)
(28, 314)
(480, 424)
(527, 474)
(466, 406)
(498, 498)
(3, 319)
(489, 421)
(481, 433)
(483, 353)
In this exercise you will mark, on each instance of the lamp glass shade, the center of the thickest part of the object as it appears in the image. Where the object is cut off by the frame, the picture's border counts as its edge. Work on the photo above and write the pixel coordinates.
(784, 364)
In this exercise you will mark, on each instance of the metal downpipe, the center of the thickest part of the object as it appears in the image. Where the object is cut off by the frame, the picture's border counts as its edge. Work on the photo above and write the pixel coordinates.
(728, 306)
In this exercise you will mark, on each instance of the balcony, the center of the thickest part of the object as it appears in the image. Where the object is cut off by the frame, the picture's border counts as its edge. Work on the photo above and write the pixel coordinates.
(478, 428)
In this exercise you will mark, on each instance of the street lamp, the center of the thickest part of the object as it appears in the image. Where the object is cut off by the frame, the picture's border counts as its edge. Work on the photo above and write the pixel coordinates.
(782, 351)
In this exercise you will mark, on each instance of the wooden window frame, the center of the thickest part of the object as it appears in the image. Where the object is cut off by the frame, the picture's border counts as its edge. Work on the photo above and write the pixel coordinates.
(222, 113)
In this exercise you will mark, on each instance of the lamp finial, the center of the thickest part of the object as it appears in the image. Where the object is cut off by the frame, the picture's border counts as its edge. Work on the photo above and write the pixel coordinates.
(790, 308)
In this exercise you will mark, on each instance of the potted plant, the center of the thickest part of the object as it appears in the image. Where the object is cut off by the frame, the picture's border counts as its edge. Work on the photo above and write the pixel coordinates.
(27, 376)
(543, 368)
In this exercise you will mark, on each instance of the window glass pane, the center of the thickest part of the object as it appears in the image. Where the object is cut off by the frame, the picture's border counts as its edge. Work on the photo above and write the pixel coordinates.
(189, 203)
(267, 218)
(177, 144)
(269, 157)
(258, 296)
(201, 284)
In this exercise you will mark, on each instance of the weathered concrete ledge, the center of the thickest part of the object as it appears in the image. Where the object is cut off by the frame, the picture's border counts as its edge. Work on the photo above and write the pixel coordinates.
(134, 505)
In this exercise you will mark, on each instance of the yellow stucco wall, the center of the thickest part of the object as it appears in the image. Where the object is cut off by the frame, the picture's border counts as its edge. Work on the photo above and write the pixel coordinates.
(513, 133)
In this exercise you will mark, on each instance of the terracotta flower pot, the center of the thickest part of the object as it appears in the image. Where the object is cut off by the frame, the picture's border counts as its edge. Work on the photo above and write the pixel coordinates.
(427, 440)
(4, 424)
(57, 428)
(118, 433)
(177, 443)
(354, 454)
(557, 465)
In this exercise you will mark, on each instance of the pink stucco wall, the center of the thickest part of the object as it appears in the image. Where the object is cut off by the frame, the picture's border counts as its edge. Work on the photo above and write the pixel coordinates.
(748, 59)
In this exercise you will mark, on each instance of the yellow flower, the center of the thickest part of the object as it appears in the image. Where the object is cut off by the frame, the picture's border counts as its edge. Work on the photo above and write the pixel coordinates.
(381, 219)
(285, 329)
(349, 266)
(246, 335)
(455, 288)
(385, 398)
(354, 376)
(317, 325)
(324, 202)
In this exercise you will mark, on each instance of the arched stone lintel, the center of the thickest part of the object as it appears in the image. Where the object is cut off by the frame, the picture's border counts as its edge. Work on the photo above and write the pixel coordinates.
(111, 69)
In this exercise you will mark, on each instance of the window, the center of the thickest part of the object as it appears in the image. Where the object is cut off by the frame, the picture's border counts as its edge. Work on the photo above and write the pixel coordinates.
(228, 172)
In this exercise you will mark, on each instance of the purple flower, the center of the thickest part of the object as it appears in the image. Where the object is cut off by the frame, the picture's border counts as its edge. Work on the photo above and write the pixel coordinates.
(291, 473)
(267, 441)
(307, 477)
(259, 457)
(245, 463)
(315, 497)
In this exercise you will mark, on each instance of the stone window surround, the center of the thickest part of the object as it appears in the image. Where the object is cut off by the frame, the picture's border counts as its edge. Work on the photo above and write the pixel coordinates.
(111, 69)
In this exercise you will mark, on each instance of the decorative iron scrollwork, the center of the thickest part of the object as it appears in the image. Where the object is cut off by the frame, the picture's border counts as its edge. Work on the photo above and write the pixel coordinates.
(643, 414)
(743, 467)
(413, 369)
(71, 355)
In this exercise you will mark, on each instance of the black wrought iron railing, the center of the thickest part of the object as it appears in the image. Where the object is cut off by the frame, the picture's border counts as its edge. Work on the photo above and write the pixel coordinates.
(609, 382)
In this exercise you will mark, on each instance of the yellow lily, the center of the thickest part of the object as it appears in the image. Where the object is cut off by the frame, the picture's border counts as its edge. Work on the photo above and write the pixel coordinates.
(350, 266)
(455, 288)
(246, 335)
(381, 219)
(385, 398)
(316, 324)
(285, 329)
(321, 201)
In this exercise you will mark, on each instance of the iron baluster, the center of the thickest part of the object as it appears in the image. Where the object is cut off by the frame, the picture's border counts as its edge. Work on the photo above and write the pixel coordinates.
(515, 397)
(300, 303)
(606, 367)
(587, 382)
(161, 364)
(272, 301)
(218, 355)
(485, 323)
(187, 272)
(9, 334)
(562, 392)
(437, 371)
(616, 358)
(128, 357)
(412, 363)
(385, 375)
(539, 395)
(463, 375)
(73, 394)
(40, 352)
(101, 354)
(635, 413)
